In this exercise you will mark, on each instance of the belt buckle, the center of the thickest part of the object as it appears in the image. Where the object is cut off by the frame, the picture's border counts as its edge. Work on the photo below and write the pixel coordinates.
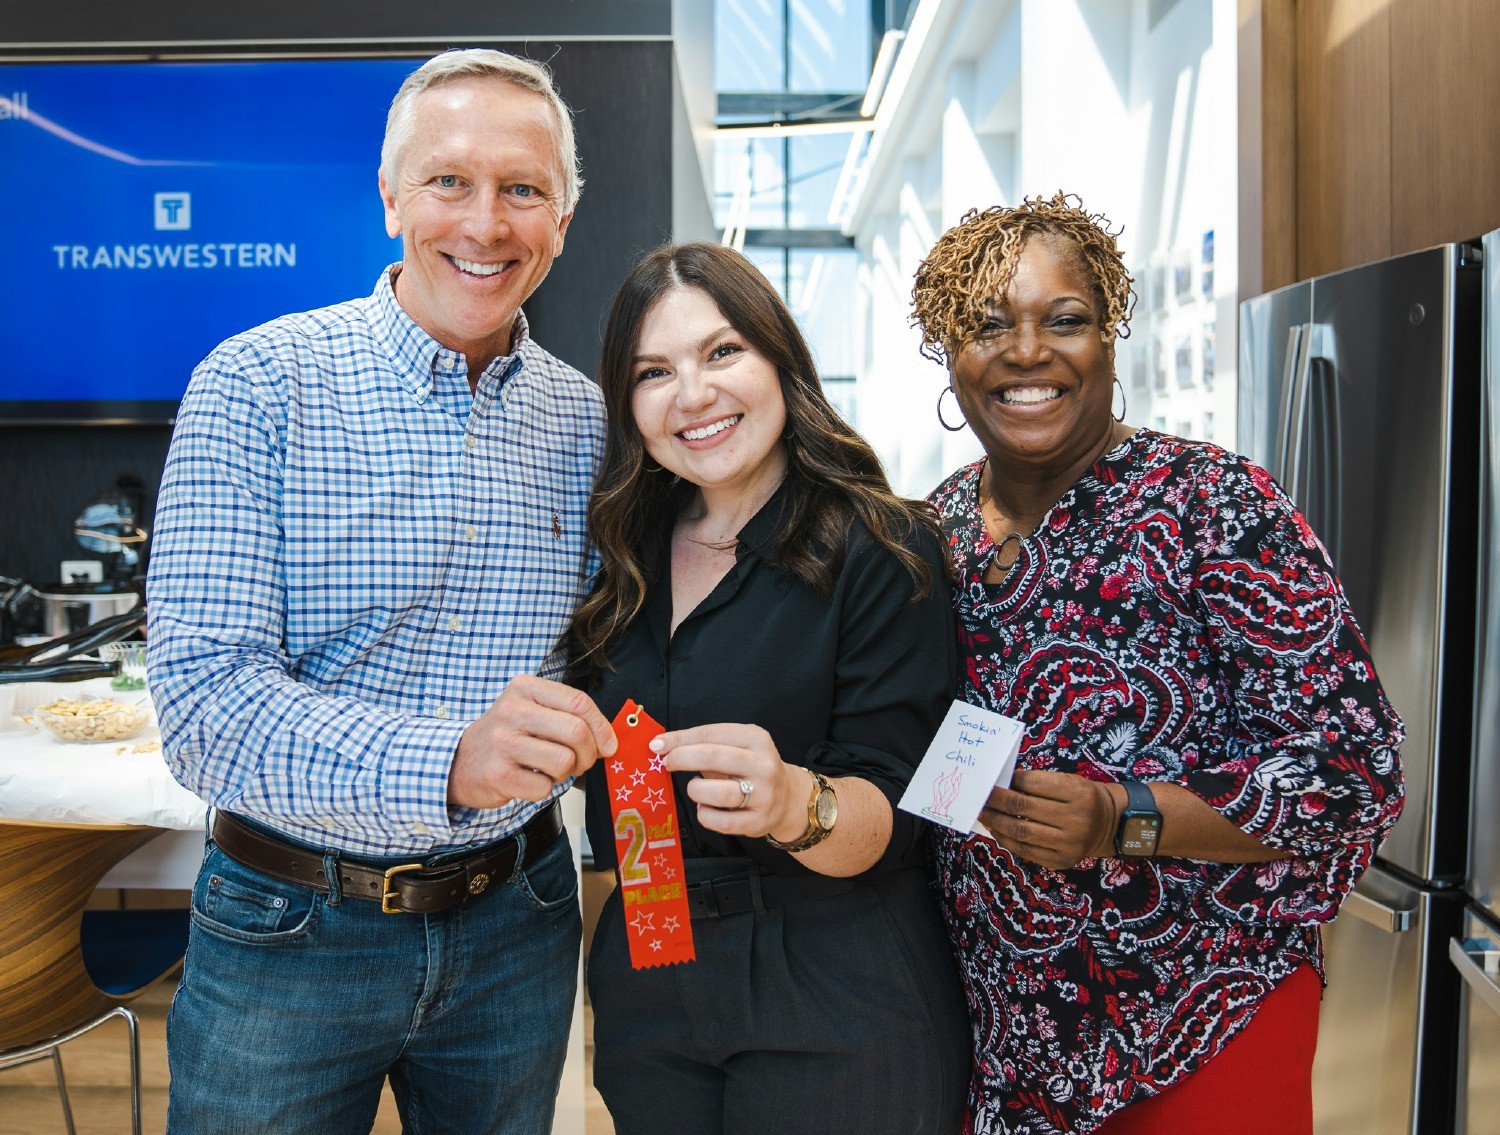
(389, 892)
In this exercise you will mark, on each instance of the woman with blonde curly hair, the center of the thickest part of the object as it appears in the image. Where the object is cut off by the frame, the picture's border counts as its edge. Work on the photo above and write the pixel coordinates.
(1208, 760)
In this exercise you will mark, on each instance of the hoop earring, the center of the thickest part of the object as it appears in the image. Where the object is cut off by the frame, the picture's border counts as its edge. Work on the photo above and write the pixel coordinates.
(1124, 405)
(649, 464)
(943, 421)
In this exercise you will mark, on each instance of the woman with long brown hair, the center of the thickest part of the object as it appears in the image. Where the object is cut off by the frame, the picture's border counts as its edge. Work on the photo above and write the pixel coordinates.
(785, 617)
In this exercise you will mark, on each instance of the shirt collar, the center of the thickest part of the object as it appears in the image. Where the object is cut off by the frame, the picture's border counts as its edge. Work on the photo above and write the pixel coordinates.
(418, 357)
(763, 533)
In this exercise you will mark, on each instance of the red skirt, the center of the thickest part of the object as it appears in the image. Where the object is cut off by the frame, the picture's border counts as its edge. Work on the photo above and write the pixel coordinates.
(1261, 1080)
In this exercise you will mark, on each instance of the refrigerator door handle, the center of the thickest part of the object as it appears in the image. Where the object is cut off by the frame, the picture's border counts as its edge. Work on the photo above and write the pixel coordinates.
(1465, 958)
(1291, 371)
(1323, 506)
(1376, 913)
(1294, 439)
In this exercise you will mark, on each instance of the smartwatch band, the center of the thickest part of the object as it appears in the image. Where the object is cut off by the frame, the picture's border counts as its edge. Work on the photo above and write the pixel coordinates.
(1140, 823)
(1138, 798)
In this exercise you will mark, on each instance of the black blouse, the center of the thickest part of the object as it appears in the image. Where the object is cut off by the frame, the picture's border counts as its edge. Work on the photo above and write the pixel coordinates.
(855, 685)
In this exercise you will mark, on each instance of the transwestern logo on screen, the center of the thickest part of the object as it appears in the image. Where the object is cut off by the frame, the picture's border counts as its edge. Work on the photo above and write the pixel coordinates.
(173, 212)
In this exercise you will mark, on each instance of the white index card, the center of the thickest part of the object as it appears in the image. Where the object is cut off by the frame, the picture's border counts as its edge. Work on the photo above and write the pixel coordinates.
(974, 750)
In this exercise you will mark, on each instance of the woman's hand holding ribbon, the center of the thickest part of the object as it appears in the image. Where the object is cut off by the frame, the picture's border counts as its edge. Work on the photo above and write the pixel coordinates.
(743, 787)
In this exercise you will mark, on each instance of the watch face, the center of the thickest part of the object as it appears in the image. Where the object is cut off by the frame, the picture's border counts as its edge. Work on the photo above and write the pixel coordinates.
(827, 809)
(1138, 835)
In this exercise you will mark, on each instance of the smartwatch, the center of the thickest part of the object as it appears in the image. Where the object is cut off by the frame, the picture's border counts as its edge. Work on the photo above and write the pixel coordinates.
(1140, 823)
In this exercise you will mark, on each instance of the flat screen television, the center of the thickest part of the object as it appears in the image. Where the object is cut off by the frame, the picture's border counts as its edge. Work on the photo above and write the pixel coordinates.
(154, 208)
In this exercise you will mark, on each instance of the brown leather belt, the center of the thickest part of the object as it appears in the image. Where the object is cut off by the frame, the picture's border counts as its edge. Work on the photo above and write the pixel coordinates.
(406, 888)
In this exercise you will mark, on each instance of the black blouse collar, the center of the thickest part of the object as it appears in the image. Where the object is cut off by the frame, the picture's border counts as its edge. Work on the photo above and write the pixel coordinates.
(764, 533)
(760, 539)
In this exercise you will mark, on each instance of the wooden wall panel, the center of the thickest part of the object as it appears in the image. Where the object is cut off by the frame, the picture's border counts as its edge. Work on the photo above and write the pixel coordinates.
(1343, 134)
(1267, 145)
(1445, 121)
(1395, 131)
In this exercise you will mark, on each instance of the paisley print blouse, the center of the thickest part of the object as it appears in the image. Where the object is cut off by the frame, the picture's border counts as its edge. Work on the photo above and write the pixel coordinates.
(1172, 618)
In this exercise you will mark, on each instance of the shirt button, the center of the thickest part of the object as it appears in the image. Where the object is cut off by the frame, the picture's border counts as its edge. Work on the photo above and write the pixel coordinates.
(441, 713)
(454, 622)
(470, 531)
(470, 440)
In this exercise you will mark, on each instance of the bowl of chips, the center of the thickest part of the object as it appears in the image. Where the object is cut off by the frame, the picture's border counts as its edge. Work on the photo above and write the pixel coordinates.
(91, 719)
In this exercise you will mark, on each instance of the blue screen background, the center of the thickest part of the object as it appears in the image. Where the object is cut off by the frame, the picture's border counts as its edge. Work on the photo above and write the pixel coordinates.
(272, 152)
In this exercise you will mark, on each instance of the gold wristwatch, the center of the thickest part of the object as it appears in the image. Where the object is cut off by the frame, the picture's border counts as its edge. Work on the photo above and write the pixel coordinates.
(822, 814)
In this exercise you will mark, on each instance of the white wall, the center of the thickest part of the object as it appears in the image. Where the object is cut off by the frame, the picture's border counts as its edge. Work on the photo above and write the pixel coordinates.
(694, 105)
(992, 100)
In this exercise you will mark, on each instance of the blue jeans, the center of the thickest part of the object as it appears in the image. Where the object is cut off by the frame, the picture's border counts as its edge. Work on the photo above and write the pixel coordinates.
(295, 1007)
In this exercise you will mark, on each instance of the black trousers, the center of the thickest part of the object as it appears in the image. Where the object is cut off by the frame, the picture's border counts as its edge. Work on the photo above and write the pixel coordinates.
(829, 1014)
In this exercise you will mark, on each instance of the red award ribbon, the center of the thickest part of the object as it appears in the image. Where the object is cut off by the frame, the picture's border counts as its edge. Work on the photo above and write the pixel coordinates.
(648, 846)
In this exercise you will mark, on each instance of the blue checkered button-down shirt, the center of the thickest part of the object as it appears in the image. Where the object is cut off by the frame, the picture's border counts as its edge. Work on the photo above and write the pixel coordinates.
(352, 558)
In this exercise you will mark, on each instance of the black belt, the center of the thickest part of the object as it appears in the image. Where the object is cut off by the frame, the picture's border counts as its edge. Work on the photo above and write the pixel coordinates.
(740, 894)
(406, 888)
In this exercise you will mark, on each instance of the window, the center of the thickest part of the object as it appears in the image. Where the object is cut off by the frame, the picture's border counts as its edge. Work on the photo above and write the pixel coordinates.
(793, 62)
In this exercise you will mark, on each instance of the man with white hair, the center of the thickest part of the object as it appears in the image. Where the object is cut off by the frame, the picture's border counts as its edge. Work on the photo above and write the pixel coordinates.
(370, 535)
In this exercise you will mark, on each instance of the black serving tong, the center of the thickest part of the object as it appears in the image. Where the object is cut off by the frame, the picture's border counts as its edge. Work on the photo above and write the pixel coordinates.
(57, 672)
(56, 660)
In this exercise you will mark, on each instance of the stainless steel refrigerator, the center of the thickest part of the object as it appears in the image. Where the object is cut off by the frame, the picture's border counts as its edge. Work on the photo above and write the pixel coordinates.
(1361, 391)
(1475, 956)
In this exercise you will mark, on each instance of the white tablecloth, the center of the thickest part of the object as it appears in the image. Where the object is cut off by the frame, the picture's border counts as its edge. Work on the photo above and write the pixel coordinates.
(42, 778)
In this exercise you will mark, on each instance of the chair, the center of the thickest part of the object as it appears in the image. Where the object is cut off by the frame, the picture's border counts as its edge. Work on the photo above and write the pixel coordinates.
(64, 970)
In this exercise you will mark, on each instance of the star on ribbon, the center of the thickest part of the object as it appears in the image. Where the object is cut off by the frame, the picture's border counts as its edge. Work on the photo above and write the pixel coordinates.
(658, 762)
(656, 799)
(656, 943)
(638, 778)
(671, 924)
(644, 920)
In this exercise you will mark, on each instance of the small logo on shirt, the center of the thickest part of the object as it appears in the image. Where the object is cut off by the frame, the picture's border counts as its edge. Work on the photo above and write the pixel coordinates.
(556, 527)
(174, 210)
